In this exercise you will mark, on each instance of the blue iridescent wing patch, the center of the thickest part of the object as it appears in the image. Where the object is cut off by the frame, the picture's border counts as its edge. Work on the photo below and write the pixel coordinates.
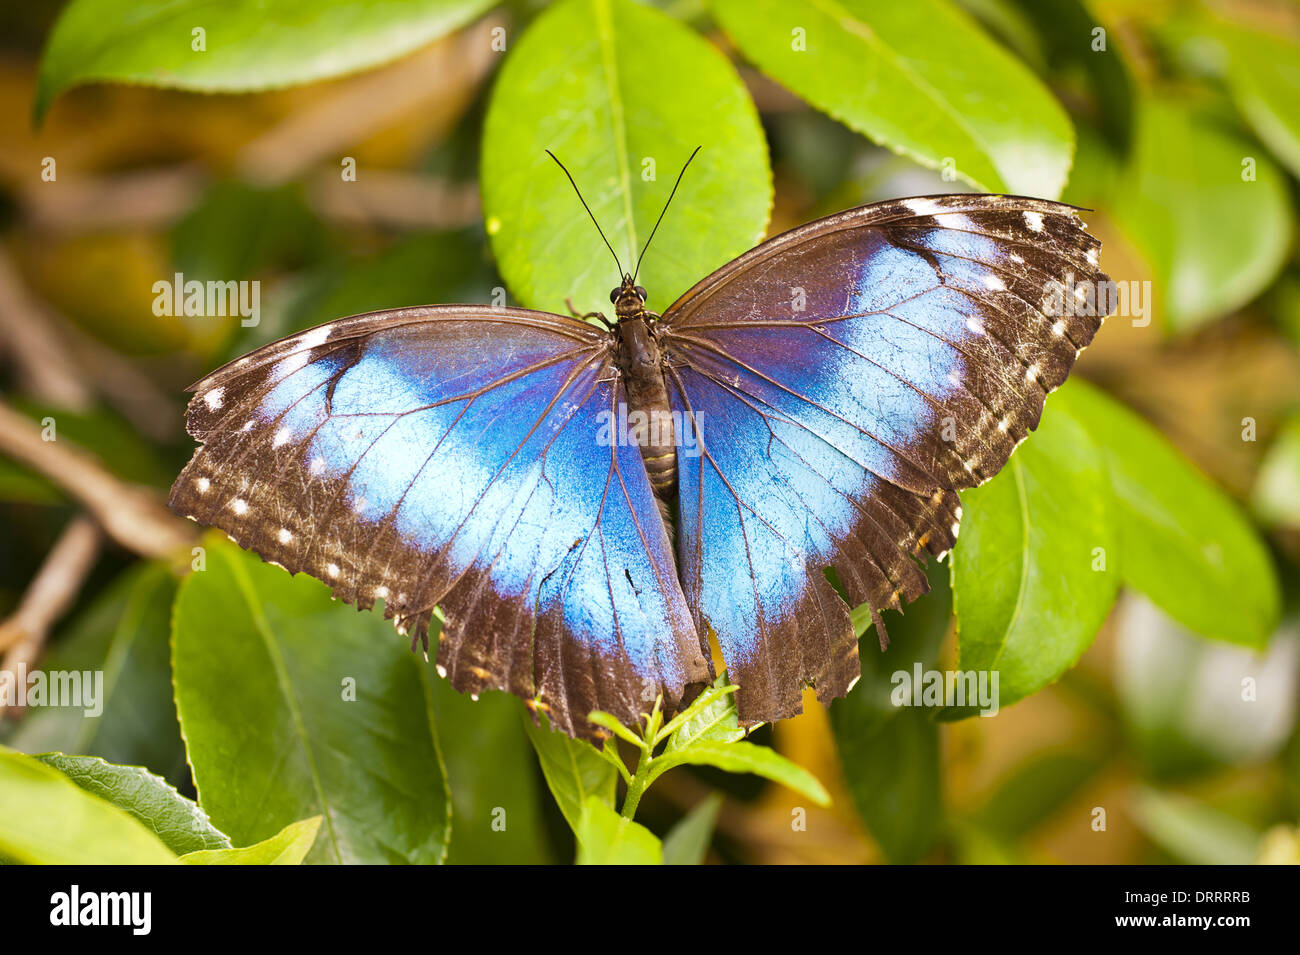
(453, 456)
(841, 383)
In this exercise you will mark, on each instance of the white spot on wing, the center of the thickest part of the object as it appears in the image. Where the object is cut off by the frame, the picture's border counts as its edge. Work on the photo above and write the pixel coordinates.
(213, 398)
(203, 484)
(922, 207)
(333, 570)
(1034, 220)
(239, 506)
(281, 437)
(286, 535)
(993, 283)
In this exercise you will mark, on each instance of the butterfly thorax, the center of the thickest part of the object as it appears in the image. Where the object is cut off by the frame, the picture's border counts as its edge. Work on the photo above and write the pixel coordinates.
(650, 425)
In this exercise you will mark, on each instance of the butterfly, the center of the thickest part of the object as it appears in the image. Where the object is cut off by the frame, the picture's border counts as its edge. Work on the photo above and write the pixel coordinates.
(585, 505)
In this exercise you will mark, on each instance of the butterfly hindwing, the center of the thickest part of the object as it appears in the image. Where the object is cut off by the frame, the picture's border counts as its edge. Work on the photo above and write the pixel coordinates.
(845, 381)
(454, 456)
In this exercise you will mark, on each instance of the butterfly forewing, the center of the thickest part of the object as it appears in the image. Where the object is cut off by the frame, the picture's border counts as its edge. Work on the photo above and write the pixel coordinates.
(845, 380)
(455, 456)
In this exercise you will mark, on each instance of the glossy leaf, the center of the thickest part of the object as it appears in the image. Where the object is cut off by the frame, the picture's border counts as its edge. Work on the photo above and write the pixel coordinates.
(440, 267)
(1276, 495)
(45, 818)
(709, 721)
(1034, 570)
(606, 838)
(1192, 831)
(1035, 790)
(651, 90)
(495, 791)
(1213, 238)
(894, 776)
(293, 705)
(289, 846)
(178, 822)
(889, 755)
(744, 758)
(1264, 79)
(915, 636)
(574, 771)
(1182, 542)
(124, 634)
(244, 44)
(1068, 32)
(687, 843)
(921, 78)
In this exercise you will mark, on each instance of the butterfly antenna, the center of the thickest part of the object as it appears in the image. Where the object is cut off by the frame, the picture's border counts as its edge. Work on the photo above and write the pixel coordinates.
(661, 215)
(588, 208)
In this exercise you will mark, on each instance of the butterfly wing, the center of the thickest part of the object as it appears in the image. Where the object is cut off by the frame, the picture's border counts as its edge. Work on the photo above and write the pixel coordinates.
(454, 456)
(842, 382)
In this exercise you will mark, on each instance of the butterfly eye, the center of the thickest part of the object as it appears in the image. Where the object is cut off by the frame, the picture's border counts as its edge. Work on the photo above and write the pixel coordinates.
(613, 296)
(640, 293)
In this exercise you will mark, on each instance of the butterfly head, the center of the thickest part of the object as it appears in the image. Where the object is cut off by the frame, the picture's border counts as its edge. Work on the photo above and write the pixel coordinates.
(628, 298)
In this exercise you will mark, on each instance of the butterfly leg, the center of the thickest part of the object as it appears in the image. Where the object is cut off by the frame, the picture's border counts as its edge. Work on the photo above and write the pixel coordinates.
(586, 315)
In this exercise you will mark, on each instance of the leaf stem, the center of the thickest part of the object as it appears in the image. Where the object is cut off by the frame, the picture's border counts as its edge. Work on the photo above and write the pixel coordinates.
(637, 785)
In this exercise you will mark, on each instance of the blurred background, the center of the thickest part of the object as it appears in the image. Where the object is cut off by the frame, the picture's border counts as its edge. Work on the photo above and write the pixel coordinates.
(1149, 727)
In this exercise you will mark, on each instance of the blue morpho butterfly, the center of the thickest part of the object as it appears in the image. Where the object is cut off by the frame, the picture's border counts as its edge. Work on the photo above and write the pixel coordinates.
(586, 504)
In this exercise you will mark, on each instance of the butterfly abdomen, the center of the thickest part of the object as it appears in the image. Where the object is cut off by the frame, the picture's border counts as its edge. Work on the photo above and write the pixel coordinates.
(650, 424)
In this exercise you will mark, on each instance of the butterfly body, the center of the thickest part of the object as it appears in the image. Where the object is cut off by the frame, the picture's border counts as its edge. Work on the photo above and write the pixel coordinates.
(641, 361)
(588, 505)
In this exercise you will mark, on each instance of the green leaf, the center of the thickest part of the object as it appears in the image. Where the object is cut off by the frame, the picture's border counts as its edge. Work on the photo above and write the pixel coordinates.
(123, 634)
(618, 92)
(1065, 28)
(711, 718)
(238, 231)
(894, 776)
(1035, 790)
(1276, 495)
(1193, 832)
(45, 818)
(494, 786)
(1034, 570)
(1264, 79)
(289, 846)
(1181, 541)
(744, 758)
(920, 78)
(437, 267)
(915, 637)
(890, 755)
(1212, 239)
(606, 838)
(574, 771)
(178, 822)
(246, 44)
(293, 705)
(687, 843)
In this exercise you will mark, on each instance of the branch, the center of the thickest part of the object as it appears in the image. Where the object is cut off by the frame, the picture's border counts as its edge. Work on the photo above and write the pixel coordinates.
(149, 198)
(48, 596)
(40, 358)
(131, 515)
